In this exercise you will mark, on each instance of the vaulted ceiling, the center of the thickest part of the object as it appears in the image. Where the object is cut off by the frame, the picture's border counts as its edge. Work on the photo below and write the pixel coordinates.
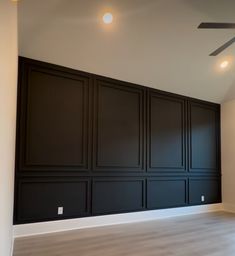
(155, 43)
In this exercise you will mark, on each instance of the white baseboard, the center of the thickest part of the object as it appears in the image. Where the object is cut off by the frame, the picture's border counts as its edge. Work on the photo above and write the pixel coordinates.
(90, 222)
(229, 207)
(12, 246)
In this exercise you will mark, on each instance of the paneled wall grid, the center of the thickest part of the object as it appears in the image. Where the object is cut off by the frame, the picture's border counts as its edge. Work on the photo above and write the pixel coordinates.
(94, 145)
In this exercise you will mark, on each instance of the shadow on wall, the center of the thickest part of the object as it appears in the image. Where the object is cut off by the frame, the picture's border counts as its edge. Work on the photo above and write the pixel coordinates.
(230, 94)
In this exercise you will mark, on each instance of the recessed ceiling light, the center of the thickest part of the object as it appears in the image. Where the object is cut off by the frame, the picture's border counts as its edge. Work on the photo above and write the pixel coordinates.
(108, 18)
(224, 64)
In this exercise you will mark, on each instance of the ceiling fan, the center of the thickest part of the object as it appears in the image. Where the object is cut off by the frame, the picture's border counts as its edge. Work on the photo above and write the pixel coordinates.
(214, 25)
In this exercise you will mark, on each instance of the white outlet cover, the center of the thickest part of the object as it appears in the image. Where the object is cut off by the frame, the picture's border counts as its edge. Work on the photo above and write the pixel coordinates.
(203, 198)
(60, 210)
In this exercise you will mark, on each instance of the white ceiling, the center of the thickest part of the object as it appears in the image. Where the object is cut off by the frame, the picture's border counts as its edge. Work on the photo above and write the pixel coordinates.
(155, 43)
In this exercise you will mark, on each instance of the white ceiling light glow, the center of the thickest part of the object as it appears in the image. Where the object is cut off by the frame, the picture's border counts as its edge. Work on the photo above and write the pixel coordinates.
(108, 18)
(224, 64)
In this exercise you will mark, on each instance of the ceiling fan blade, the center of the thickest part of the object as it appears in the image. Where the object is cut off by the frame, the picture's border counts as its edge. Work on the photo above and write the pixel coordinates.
(223, 47)
(214, 25)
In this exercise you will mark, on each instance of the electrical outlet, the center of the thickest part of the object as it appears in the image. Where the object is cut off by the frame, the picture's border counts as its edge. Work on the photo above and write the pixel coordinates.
(60, 210)
(203, 198)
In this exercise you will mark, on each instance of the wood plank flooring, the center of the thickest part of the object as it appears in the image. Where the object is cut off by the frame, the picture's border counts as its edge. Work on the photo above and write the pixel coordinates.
(200, 235)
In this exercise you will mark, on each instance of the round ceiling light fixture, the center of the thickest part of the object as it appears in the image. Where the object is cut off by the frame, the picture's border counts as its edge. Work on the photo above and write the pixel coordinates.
(224, 64)
(108, 18)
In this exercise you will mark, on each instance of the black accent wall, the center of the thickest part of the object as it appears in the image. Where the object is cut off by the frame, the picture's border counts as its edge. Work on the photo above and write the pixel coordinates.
(95, 145)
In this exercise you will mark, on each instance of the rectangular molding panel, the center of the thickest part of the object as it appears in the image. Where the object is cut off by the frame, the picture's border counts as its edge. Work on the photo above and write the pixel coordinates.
(92, 145)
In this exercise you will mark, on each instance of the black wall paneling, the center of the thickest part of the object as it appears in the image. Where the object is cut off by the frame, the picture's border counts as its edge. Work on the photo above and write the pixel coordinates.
(118, 126)
(118, 195)
(204, 190)
(54, 119)
(204, 137)
(166, 133)
(167, 192)
(39, 199)
(95, 145)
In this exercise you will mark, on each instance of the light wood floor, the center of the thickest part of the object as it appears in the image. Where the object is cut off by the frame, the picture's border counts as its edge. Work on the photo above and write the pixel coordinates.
(204, 234)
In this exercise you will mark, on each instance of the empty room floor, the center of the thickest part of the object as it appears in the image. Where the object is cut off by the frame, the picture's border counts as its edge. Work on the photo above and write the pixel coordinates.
(202, 234)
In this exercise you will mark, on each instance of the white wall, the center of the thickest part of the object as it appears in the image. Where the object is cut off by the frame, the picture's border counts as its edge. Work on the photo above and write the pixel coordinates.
(8, 88)
(228, 154)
